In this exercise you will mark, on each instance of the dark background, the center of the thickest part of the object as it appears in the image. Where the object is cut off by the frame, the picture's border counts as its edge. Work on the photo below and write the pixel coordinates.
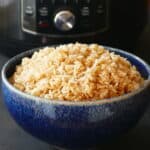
(128, 29)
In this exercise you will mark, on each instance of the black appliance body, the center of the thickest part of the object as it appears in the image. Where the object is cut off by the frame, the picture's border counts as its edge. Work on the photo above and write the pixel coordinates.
(25, 24)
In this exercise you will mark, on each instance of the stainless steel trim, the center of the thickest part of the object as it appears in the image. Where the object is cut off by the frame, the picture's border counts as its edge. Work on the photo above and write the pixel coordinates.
(33, 26)
(22, 14)
(65, 36)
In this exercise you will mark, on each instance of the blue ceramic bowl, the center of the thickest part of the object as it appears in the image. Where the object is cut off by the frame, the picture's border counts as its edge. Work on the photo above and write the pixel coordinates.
(76, 124)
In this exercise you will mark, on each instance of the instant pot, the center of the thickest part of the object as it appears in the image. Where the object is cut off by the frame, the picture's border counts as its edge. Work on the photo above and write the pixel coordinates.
(25, 24)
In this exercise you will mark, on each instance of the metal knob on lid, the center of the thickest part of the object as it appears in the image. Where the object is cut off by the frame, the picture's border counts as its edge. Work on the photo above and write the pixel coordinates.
(64, 20)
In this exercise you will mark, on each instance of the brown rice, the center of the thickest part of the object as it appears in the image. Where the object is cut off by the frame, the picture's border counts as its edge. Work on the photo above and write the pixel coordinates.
(76, 72)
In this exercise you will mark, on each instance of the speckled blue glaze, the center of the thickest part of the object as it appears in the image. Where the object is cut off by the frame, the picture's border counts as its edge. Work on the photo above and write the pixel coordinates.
(76, 124)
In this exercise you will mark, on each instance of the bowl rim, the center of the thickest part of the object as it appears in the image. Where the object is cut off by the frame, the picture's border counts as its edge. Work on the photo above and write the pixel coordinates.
(75, 103)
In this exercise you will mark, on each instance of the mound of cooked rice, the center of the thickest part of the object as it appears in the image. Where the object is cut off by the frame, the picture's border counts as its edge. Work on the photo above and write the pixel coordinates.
(76, 72)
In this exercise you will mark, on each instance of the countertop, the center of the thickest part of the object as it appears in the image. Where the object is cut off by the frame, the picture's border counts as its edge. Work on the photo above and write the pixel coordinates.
(12, 137)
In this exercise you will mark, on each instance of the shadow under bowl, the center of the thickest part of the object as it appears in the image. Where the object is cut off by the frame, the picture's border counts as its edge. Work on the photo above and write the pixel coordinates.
(76, 124)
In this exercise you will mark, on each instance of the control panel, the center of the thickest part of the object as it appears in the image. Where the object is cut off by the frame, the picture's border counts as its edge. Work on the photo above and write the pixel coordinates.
(64, 17)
